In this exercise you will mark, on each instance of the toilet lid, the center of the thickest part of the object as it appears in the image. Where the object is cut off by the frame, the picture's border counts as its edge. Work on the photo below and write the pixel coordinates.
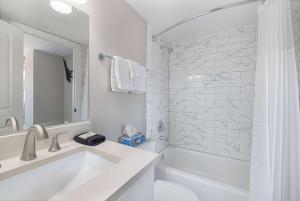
(170, 191)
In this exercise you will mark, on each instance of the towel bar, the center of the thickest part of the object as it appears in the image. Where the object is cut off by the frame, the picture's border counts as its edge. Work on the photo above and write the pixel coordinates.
(102, 56)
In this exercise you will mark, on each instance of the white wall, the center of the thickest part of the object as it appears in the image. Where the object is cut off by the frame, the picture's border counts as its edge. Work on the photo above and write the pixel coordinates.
(115, 29)
(48, 89)
(211, 92)
(157, 82)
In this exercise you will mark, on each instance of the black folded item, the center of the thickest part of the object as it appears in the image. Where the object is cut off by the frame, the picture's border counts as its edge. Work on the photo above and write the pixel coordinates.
(90, 139)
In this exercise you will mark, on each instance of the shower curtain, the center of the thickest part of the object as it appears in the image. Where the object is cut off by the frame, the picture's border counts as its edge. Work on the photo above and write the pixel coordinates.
(84, 101)
(275, 164)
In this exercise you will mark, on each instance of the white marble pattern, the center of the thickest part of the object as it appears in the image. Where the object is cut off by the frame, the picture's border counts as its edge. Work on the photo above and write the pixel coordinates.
(211, 92)
(295, 5)
(157, 86)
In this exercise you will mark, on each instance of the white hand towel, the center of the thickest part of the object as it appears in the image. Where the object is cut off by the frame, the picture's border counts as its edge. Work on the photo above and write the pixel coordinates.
(139, 76)
(121, 75)
(131, 74)
(114, 86)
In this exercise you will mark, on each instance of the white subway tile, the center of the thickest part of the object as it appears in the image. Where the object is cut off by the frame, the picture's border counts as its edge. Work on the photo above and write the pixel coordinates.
(243, 37)
(229, 32)
(228, 90)
(249, 28)
(248, 74)
(211, 92)
(230, 47)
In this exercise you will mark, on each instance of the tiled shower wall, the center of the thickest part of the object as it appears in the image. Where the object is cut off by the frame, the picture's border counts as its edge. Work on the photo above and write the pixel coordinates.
(295, 5)
(157, 83)
(211, 92)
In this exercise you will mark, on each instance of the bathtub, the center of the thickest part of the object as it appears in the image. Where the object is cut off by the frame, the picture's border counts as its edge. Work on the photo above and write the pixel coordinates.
(212, 178)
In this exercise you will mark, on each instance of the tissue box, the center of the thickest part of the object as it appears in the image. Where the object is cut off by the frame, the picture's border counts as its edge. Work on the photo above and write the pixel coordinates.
(133, 141)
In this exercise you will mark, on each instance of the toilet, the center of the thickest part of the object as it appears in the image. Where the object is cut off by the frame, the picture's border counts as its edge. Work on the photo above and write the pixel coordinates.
(170, 191)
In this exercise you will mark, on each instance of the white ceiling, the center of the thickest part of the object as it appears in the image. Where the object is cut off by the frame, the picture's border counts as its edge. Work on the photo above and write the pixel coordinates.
(39, 14)
(161, 14)
(33, 43)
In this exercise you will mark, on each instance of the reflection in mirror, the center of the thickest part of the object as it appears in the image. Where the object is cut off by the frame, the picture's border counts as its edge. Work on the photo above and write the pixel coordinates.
(43, 65)
(12, 124)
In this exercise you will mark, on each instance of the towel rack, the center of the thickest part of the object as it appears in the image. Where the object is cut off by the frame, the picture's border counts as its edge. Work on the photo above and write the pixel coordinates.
(102, 56)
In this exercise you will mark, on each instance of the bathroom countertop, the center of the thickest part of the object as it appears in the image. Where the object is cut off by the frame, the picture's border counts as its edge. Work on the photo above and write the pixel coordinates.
(130, 163)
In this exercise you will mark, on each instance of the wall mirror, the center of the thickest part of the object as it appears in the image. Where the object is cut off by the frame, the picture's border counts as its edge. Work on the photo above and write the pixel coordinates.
(43, 65)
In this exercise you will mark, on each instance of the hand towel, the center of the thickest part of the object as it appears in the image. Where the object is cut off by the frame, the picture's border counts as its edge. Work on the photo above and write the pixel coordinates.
(121, 75)
(139, 77)
(90, 139)
(114, 86)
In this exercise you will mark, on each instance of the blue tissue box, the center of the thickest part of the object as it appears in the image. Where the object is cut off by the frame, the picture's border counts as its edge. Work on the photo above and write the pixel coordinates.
(133, 141)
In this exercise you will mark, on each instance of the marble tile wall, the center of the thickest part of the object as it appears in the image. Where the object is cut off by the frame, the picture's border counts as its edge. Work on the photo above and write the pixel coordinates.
(157, 83)
(295, 5)
(211, 92)
(205, 96)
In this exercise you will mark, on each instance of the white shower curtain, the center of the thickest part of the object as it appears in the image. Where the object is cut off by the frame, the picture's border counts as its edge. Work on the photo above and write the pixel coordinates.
(275, 164)
(84, 102)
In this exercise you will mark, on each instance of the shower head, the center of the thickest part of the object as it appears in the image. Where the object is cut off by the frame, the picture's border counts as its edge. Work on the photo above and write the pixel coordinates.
(170, 50)
(154, 38)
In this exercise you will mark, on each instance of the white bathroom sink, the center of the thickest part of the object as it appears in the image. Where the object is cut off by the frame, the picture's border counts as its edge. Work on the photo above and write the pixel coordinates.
(53, 180)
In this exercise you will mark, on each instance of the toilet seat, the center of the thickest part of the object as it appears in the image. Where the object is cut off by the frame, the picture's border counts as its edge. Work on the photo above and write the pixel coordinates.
(170, 191)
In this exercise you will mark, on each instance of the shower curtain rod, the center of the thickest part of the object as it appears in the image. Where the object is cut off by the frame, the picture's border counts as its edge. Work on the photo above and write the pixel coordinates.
(155, 36)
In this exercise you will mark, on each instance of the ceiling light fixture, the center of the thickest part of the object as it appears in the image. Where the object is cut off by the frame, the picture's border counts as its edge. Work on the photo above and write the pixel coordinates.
(61, 6)
(80, 1)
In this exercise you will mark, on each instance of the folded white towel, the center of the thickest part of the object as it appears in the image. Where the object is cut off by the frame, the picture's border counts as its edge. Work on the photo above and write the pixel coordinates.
(113, 80)
(121, 75)
(139, 77)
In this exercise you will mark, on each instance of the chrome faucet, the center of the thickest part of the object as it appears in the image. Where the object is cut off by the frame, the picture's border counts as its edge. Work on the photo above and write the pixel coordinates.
(54, 147)
(163, 138)
(35, 132)
(12, 124)
(161, 126)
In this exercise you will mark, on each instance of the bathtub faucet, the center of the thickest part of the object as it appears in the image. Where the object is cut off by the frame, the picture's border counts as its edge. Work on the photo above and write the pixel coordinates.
(161, 126)
(163, 138)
